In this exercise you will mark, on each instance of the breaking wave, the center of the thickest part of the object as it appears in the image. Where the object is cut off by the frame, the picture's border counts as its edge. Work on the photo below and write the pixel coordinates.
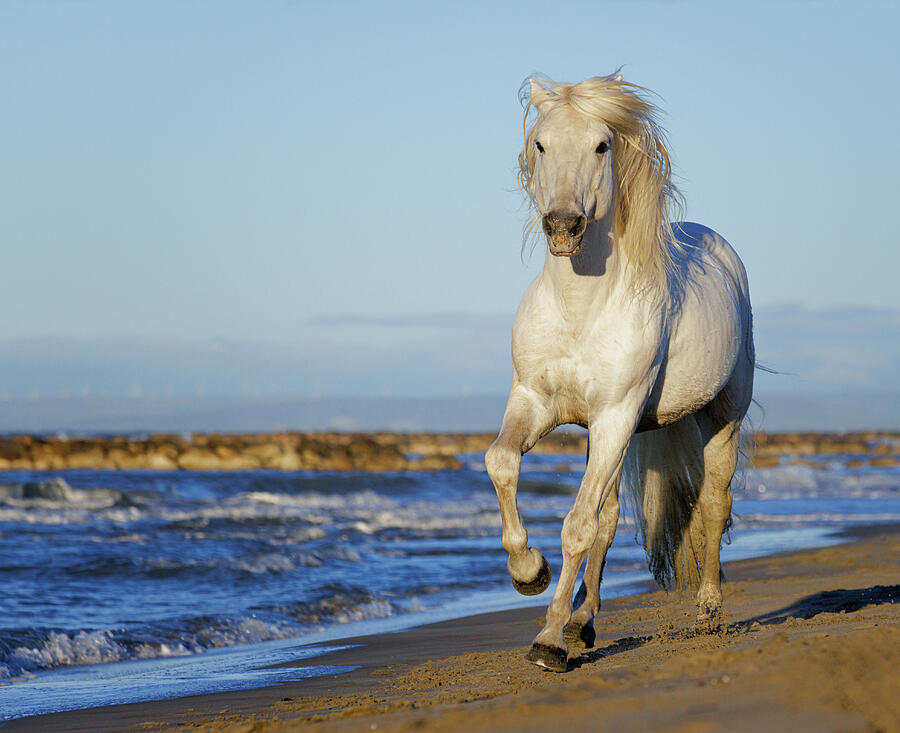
(101, 567)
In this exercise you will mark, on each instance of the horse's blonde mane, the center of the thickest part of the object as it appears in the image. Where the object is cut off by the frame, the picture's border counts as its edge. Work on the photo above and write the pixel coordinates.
(646, 197)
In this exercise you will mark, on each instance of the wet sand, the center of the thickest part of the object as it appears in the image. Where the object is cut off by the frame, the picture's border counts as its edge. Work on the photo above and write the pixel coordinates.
(811, 642)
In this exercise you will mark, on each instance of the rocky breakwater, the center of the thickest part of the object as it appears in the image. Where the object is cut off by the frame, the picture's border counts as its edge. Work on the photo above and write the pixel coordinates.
(868, 448)
(215, 452)
(873, 448)
(382, 451)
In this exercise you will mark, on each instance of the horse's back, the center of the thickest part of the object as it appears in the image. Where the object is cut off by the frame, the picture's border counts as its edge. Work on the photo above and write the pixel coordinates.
(699, 243)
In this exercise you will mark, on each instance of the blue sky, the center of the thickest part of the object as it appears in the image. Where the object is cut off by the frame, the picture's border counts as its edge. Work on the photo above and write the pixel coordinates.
(267, 176)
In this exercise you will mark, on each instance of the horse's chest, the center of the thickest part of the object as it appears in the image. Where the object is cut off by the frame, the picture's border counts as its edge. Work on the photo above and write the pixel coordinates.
(563, 362)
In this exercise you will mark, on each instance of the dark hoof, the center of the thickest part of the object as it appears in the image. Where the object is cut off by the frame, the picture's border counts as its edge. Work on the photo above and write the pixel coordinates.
(536, 586)
(709, 620)
(576, 633)
(548, 657)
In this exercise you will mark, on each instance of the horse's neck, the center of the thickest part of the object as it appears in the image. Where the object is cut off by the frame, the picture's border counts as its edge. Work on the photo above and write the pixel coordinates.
(592, 276)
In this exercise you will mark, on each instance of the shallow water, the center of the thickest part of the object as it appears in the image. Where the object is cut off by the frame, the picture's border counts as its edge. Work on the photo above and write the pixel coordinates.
(170, 584)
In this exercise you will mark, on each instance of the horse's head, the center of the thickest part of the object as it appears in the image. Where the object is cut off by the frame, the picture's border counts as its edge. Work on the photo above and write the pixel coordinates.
(596, 150)
(573, 181)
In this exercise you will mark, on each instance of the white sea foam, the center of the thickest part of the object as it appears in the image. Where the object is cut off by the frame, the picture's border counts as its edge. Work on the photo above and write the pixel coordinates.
(103, 646)
(61, 649)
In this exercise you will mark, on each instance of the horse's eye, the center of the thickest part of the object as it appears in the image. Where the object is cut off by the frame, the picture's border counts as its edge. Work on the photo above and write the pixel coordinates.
(602, 148)
(539, 146)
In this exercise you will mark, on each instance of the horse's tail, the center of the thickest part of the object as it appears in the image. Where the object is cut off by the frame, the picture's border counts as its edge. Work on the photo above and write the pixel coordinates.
(661, 479)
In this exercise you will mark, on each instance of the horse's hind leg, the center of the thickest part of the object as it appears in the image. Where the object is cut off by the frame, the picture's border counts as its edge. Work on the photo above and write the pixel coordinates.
(720, 454)
(587, 601)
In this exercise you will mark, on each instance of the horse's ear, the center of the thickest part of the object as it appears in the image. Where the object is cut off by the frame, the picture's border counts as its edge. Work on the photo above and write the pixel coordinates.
(539, 94)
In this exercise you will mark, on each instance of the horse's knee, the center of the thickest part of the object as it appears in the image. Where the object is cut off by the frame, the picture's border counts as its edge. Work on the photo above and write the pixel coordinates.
(502, 463)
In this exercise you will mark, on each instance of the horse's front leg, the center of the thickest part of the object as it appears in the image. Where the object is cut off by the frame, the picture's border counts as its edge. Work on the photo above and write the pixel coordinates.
(608, 443)
(526, 419)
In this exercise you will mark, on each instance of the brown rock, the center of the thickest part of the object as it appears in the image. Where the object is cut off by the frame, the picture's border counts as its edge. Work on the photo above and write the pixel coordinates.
(885, 462)
(86, 456)
(807, 462)
(314, 454)
(267, 454)
(239, 462)
(764, 461)
(199, 459)
(846, 446)
(123, 458)
(435, 463)
(159, 460)
(288, 460)
(12, 449)
(49, 462)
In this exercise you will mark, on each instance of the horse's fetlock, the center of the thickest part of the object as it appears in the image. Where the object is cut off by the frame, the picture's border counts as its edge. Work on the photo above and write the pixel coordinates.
(709, 599)
(524, 565)
(514, 542)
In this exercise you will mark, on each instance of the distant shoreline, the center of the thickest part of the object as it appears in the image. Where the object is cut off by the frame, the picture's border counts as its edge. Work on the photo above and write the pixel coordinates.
(380, 451)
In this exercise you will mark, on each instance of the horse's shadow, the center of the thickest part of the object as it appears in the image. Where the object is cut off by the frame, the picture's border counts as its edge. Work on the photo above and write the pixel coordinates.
(829, 601)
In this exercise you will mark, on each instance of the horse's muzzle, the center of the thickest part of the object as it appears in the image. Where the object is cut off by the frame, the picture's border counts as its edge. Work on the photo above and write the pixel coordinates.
(564, 232)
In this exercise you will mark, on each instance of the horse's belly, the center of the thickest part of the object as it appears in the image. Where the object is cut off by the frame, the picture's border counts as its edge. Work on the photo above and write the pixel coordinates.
(681, 395)
(700, 360)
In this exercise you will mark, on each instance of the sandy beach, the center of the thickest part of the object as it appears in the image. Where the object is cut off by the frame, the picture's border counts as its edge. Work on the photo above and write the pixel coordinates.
(811, 642)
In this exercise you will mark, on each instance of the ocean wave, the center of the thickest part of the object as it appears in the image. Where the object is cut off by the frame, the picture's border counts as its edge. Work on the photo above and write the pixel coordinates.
(804, 482)
(24, 652)
(365, 511)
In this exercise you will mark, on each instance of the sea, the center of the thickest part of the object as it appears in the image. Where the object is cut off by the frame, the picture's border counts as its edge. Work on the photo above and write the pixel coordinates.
(124, 586)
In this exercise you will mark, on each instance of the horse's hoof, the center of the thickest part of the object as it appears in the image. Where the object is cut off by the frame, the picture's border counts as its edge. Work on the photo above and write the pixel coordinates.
(548, 657)
(536, 586)
(709, 619)
(580, 633)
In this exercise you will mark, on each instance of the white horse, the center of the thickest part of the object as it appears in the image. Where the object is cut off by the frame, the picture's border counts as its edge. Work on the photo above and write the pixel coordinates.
(637, 329)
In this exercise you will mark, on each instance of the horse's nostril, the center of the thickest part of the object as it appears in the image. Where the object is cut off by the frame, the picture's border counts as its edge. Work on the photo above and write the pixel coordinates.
(568, 225)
